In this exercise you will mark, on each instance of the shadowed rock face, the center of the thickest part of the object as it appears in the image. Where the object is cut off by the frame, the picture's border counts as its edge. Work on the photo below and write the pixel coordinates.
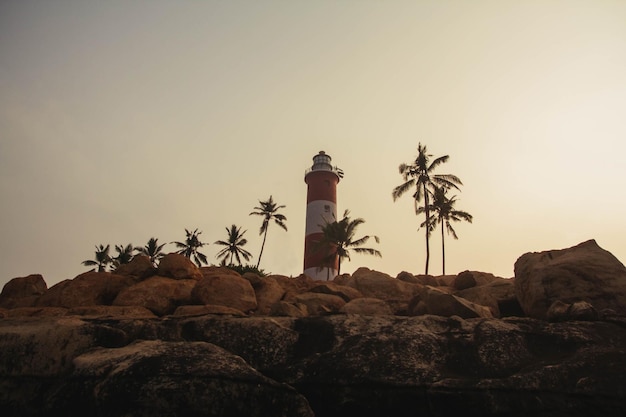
(324, 366)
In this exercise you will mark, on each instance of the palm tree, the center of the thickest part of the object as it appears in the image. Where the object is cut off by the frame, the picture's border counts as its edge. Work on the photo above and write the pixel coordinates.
(102, 258)
(234, 245)
(269, 210)
(190, 247)
(339, 239)
(421, 175)
(152, 250)
(444, 213)
(124, 255)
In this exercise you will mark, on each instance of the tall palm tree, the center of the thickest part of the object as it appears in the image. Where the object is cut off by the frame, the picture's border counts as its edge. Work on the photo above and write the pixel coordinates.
(234, 245)
(190, 247)
(339, 239)
(152, 250)
(269, 211)
(102, 259)
(444, 213)
(124, 255)
(420, 174)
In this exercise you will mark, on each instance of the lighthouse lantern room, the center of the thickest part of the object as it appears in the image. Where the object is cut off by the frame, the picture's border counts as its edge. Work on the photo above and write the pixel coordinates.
(321, 208)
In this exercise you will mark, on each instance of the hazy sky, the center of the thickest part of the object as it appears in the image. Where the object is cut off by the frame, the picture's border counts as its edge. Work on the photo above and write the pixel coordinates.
(125, 120)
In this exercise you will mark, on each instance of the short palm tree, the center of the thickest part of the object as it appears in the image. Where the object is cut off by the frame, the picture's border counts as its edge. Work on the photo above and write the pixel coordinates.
(420, 174)
(269, 211)
(152, 250)
(124, 255)
(102, 258)
(190, 246)
(339, 238)
(233, 246)
(444, 212)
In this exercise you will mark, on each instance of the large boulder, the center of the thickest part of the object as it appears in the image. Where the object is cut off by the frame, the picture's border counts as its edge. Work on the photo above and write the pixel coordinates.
(432, 300)
(320, 304)
(498, 295)
(140, 267)
(161, 295)
(343, 291)
(295, 286)
(268, 292)
(374, 284)
(88, 289)
(177, 266)
(157, 378)
(366, 306)
(585, 272)
(226, 290)
(23, 291)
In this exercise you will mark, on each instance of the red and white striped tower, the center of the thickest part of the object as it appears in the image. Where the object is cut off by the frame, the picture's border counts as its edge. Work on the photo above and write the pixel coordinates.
(321, 206)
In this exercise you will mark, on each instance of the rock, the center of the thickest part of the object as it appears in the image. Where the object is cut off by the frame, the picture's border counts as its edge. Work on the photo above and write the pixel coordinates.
(288, 309)
(140, 267)
(119, 312)
(206, 309)
(374, 284)
(209, 271)
(366, 306)
(584, 272)
(23, 291)
(225, 290)
(37, 312)
(158, 294)
(88, 289)
(446, 280)
(268, 292)
(441, 303)
(334, 365)
(464, 280)
(498, 295)
(294, 286)
(580, 310)
(158, 378)
(177, 266)
(320, 304)
(343, 291)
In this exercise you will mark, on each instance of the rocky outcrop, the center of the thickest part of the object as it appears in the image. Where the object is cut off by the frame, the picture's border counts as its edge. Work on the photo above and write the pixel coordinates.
(158, 294)
(227, 290)
(90, 288)
(23, 291)
(585, 272)
(176, 266)
(367, 365)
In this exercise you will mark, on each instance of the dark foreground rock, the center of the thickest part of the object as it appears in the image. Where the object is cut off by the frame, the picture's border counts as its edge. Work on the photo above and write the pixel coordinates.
(335, 365)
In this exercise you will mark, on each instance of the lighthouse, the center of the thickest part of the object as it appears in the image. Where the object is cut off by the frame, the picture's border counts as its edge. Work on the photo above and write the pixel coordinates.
(321, 208)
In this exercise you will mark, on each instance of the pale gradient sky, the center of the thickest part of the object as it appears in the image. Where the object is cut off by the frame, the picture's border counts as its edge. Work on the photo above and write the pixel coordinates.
(125, 120)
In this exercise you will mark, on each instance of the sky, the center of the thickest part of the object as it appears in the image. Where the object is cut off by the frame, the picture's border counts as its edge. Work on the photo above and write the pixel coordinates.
(126, 120)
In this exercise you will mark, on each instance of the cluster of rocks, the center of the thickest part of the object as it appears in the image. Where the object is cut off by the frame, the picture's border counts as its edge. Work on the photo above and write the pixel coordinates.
(183, 340)
(579, 283)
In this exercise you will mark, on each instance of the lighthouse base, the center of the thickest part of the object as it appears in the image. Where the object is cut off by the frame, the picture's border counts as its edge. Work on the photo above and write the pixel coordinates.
(321, 274)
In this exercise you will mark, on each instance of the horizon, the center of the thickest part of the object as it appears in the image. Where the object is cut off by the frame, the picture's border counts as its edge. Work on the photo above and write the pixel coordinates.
(125, 121)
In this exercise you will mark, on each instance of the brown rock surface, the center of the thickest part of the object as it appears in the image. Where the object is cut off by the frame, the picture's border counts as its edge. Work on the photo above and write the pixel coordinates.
(374, 284)
(177, 266)
(22, 291)
(139, 267)
(88, 289)
(432, 300)
(161, 295)
(226, 290)
(268, 292)
(366, 306)
(585, 272)
(319, 304)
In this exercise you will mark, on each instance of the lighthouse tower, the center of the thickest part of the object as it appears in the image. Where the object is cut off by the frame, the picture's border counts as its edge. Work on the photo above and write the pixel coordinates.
(321, 207)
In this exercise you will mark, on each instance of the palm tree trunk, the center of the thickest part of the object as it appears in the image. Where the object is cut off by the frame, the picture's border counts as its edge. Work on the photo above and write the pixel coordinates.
(427, 213)
(262, 246)
(443, 251)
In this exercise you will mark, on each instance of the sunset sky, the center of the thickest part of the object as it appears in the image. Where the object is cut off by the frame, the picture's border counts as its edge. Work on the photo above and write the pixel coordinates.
(125, 120)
